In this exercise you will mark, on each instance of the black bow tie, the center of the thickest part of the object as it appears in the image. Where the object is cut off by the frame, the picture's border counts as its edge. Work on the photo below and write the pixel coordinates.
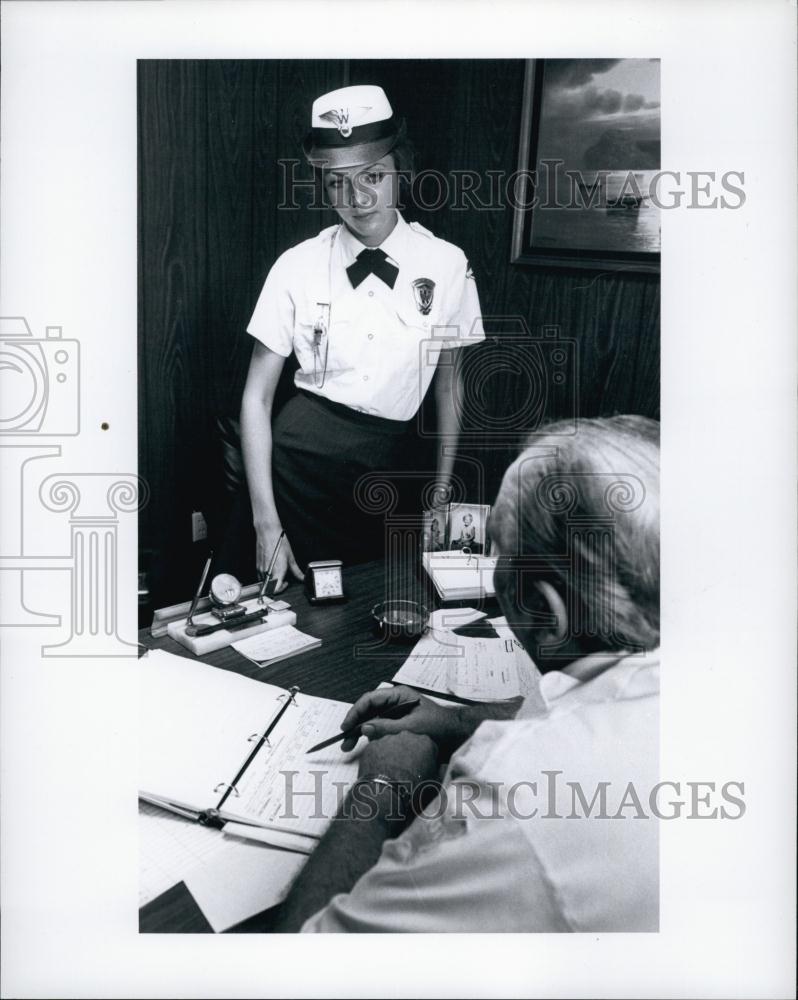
(372, 262)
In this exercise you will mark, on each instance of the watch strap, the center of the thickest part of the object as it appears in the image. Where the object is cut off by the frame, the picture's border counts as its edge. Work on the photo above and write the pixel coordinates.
(400, 788)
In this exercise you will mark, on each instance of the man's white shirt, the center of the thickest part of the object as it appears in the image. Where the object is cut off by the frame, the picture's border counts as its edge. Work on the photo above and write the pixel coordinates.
(491, 855)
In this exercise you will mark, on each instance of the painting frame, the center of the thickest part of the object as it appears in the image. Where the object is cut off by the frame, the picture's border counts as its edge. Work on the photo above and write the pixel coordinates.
(523, 250)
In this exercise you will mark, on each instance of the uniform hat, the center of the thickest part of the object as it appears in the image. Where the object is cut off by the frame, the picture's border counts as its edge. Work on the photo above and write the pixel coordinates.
(351, 127)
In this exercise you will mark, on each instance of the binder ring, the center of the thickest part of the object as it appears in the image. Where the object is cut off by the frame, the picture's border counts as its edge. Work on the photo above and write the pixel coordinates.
(291, 692)
(228, 786)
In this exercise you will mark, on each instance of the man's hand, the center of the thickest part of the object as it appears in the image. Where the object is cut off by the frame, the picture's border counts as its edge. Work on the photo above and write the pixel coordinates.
(406, 757)
(266, 538)
(448, 727)
(445, 726)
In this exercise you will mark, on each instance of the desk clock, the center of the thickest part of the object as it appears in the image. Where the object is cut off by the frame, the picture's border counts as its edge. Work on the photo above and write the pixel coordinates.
(324, 582)
(224, 594)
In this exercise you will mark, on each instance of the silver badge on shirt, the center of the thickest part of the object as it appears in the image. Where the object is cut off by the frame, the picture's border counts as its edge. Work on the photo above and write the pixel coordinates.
(424, 289)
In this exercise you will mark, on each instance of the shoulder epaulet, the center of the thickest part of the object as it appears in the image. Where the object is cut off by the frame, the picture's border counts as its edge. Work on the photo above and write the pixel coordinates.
(451, 249)
(326, 234)
(418, 228)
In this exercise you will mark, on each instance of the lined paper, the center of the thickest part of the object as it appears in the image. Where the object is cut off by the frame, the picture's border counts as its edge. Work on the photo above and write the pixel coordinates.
(287, 789)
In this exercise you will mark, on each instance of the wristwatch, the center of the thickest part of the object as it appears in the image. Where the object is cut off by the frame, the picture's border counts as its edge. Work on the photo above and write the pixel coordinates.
(399, 787)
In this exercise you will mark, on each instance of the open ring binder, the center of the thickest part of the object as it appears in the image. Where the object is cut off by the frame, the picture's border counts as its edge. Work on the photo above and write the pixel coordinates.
(250, 769)
(231, 786)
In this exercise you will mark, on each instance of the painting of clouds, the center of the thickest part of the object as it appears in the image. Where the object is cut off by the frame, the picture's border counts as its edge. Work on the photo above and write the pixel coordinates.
(597, 154)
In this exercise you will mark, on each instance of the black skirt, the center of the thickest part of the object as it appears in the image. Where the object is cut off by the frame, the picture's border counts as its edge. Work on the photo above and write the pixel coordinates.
(339, 476)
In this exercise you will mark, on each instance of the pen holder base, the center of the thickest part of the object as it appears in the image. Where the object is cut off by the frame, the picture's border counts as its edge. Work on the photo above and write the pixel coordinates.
(200, 645)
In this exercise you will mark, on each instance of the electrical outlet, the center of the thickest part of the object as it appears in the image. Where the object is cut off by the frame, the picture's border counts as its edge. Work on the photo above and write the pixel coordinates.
(199, 527)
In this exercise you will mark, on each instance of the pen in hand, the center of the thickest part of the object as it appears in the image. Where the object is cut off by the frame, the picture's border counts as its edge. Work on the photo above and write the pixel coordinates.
(395, 712)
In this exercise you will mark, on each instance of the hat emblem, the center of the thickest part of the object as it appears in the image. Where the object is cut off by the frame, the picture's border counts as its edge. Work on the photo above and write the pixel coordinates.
(342, 118)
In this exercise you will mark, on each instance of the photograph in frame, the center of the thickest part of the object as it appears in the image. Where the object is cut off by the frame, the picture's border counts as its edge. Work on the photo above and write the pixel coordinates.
(467, 528)
(434, 531)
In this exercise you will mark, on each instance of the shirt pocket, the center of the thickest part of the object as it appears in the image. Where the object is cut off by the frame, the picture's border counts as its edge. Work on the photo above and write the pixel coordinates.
(410, 320)
(426, 327)
(321, 339)
(307, 321)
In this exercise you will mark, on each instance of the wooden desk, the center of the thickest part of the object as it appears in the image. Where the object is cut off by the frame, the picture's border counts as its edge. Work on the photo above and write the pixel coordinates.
(349, 661)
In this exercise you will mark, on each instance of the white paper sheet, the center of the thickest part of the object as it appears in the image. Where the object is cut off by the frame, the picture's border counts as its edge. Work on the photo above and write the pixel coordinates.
(269, 647)
(427, 665)
(274, 838)
(169, 847)
(230, 879)
(242, 880)
(315, 783)
(473, 667)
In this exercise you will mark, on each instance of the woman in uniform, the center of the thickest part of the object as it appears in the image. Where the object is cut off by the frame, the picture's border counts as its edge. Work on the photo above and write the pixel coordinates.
(370, 307)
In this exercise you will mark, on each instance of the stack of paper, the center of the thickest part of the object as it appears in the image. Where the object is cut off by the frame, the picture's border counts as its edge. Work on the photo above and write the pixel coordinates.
(460, 577)
(473, 667)
(269, 647)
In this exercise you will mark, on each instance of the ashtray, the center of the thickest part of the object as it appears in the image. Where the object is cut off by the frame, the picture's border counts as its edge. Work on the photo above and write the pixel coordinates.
(400, 619)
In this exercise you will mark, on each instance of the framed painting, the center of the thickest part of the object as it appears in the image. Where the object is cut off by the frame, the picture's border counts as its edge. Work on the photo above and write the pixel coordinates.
(589, 164)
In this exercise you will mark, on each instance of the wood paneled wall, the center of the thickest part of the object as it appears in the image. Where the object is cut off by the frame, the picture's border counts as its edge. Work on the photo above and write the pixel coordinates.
(210, 135)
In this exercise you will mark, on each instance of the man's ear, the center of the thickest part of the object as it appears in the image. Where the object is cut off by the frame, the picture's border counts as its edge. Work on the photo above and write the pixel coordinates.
(555, 606)
(543, 619)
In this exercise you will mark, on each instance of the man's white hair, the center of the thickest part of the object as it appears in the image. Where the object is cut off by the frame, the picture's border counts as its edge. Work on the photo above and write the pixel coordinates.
(585, 508)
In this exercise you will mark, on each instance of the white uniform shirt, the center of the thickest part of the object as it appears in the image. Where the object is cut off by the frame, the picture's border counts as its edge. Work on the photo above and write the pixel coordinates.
(380, 348)
(506, 869)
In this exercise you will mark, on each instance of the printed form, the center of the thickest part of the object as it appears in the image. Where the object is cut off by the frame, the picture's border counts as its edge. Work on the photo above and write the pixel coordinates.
(473, 667)
(286, 788)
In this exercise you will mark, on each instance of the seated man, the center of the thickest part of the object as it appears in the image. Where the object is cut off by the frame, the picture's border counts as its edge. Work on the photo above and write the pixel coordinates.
(543, 820)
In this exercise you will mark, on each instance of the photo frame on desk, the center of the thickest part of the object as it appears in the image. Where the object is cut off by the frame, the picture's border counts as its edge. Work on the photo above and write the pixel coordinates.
(467, 528)
(588, 165)
(434, 537)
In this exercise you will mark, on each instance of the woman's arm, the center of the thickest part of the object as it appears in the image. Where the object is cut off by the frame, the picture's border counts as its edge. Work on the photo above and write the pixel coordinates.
(447, 396)
(265, 368)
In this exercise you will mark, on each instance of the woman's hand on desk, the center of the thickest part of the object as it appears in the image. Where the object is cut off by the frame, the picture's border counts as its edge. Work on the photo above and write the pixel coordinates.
(267, 536)
(448, 727)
